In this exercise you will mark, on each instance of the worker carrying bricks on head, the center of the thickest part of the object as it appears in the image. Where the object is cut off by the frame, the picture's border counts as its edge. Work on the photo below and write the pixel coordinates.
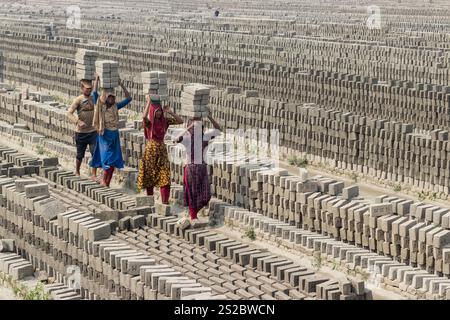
(196, 186)
(154, 168)
(81, 113)
(108, 154)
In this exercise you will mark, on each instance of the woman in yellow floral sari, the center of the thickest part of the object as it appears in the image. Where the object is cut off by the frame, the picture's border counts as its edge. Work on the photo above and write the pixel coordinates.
(154, 168)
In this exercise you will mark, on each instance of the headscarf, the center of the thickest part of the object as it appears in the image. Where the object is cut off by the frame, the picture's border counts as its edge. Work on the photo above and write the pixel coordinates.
(158, 127)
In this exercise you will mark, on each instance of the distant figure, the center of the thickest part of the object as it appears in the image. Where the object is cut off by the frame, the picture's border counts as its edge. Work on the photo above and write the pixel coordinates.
(216, 13)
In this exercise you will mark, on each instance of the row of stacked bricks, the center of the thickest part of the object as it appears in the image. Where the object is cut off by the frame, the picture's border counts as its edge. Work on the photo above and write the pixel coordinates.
(237, 269)
(56, 239)
(412, 232)
(360, 53)
(411, 235)
(378, 148)
(393, 100)
(423, 105)
(383, 149)
(391, 274)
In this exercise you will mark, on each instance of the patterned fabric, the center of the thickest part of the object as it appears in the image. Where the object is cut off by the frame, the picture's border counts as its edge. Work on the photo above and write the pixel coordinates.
(154, 168)
(196, 187)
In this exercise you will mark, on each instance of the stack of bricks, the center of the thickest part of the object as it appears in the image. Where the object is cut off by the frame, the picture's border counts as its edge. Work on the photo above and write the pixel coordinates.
(425, 65)
(155, 82)
(55, 240)
(194, 101)
(14, 265)
(374, 225)
(74, 238)
(271, 230)
(324, 205)
(299, 201)
(237, 269)
(364, 157)
(86, 64)
(1, 66)
(108, 72)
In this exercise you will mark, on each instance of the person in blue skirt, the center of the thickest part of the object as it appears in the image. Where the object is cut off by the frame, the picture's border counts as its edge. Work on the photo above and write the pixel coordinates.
(108, 154)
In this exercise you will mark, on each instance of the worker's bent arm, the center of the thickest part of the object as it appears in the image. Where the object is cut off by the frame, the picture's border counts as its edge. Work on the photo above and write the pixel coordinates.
(124, 102)
(146, 110)
(125, 91)
(177, 118)
(214, 123)
(71, 113)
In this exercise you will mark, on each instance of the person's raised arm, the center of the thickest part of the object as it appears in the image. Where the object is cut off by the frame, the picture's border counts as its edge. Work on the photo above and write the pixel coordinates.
(96, 82)
(125, 91)
(178, 138)
(147, 107)
(173, 114)
(127, 99)
(95, 89)
(214, 123)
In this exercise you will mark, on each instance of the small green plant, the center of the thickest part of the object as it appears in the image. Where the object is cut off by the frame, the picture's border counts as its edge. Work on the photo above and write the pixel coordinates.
(37, 293)
(335, 265)
(397, 188)
(40, 149)
(230, 224)
(250, 233)
(354, 177)
(291, 160)
(279, 242)
(421, 195)
(317, 262)
(303, 162)
(21, 291)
